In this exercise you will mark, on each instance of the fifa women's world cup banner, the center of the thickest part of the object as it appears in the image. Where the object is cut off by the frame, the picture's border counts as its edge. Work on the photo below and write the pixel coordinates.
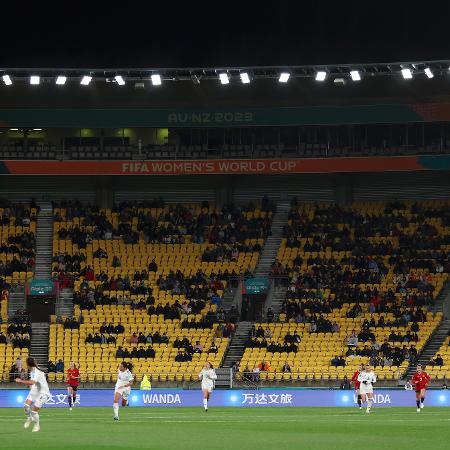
(228, 166)
(10, 398)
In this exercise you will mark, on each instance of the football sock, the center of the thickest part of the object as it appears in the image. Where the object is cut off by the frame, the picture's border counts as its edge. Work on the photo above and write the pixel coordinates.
(369, 404)
(35, 417)
(205, 403)
(74, 397)
(422, 399)
(359, 400)
(116, 409)
(418, 403)
(27, 409)
(70, 401)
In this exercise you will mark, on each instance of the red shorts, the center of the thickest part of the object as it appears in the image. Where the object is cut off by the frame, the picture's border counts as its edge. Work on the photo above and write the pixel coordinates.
(419, 387)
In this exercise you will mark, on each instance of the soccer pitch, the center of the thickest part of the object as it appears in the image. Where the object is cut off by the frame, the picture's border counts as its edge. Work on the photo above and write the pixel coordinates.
(229, 428)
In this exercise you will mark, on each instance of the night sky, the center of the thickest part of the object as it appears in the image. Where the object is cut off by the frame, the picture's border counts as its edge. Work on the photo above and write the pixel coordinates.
(128, 34)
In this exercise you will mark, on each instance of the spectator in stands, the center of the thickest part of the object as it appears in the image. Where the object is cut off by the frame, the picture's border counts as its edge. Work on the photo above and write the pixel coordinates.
(119, 352)
(60, 366)
(51, 367)
(2, 338)
(150, 352)
(111, 339)
(438, 361)
(213, 347)
(198, 348)
(345, 384)
(286, 368)
(270, 315)
(264, 366)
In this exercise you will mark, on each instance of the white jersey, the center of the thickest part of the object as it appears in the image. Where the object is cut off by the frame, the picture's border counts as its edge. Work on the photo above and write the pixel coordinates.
(40, 386)
(367, 379)
(207, 376)
(123, 378)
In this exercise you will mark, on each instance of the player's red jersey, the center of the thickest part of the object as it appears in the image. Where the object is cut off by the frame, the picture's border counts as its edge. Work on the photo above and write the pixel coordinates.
(72, 375)
(355, 379)
(420, 381)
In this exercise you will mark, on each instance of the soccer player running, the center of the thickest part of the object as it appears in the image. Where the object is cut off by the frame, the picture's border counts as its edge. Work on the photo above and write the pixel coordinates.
(367, 378)
(73, 380)
(358, 384)
(420, 381)
(207, 375)
(39, 394)
(123, 386)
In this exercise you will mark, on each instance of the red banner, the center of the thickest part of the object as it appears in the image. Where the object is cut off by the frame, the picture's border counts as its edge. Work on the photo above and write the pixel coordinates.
(205, 167)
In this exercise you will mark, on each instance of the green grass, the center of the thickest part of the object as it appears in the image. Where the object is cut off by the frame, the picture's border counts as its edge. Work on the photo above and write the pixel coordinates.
(229, 428)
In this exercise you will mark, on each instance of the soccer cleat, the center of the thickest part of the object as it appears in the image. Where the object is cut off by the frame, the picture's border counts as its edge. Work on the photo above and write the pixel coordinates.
(116, 418)
(367, 411)
(70, 409)
(422, 406)
(27, 423)
(418, 409)
(360, 408)
(36, 428)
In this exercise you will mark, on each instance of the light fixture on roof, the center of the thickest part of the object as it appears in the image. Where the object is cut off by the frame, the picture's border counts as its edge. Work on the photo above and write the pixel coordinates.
(61, 80)
(224, 78)
(321, 75)
(355, 75)
(119, 80)
(37, 129)
(244, 77)
(284, 77)
(407, 74)
(13, 129)
(156, 79)
(7, 80)
(86, 80)
(429, 73)
(35, 79)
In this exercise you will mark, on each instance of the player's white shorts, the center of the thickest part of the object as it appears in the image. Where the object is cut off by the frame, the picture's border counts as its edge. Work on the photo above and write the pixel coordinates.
(124, 392)
(37, 398)
(207, 387)
(364, 389)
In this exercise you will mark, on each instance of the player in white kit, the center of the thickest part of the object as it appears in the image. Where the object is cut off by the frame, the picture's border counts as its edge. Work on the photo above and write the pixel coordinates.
(367, 378)
(207, 375)
(123, 387)
(39, 394)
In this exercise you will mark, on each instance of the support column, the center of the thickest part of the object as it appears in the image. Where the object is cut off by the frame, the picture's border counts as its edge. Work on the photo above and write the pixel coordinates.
(343, 189)
(104, 192)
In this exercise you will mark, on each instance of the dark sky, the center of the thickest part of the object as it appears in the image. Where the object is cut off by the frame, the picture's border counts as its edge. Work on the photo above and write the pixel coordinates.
(129, 34)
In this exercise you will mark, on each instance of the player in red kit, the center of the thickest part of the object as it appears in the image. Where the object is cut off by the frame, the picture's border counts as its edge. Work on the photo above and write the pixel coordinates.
(73, 380)
(420, 381)
(357, 384)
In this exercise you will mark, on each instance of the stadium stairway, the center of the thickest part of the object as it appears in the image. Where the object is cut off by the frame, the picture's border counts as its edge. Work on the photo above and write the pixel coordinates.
(442, 298)
(273, 242)
(39, 342)
(431, 347)
(277, 295)
(16, 302)
(237, 345)
(64, 303)
(44, 242)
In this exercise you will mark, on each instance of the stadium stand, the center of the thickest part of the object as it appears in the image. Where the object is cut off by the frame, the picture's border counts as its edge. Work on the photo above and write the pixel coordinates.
(17, 253)
(157, 272)
(360, 281)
